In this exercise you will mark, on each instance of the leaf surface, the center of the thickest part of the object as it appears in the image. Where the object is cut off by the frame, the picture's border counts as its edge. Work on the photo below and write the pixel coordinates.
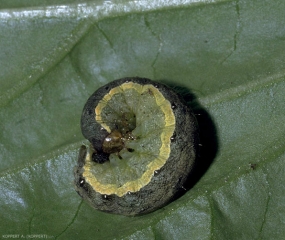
(228, 55)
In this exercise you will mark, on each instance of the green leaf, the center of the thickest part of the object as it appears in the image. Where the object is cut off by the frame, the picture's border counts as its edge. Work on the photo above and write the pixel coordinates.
(228, 54)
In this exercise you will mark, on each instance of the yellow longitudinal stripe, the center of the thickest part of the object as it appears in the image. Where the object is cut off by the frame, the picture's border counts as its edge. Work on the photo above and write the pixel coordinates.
(156, 164)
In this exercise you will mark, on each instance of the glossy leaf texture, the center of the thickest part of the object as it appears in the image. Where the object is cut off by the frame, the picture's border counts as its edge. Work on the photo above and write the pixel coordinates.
(227, 55)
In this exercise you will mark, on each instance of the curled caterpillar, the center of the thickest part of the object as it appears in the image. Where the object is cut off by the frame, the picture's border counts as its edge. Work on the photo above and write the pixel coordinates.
(143, 144)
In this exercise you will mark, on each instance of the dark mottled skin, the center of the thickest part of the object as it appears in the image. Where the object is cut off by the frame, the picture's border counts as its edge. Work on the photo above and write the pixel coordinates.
(166, 182)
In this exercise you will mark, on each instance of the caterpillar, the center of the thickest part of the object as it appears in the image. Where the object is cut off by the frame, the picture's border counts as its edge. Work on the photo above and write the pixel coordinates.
(143, 145)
